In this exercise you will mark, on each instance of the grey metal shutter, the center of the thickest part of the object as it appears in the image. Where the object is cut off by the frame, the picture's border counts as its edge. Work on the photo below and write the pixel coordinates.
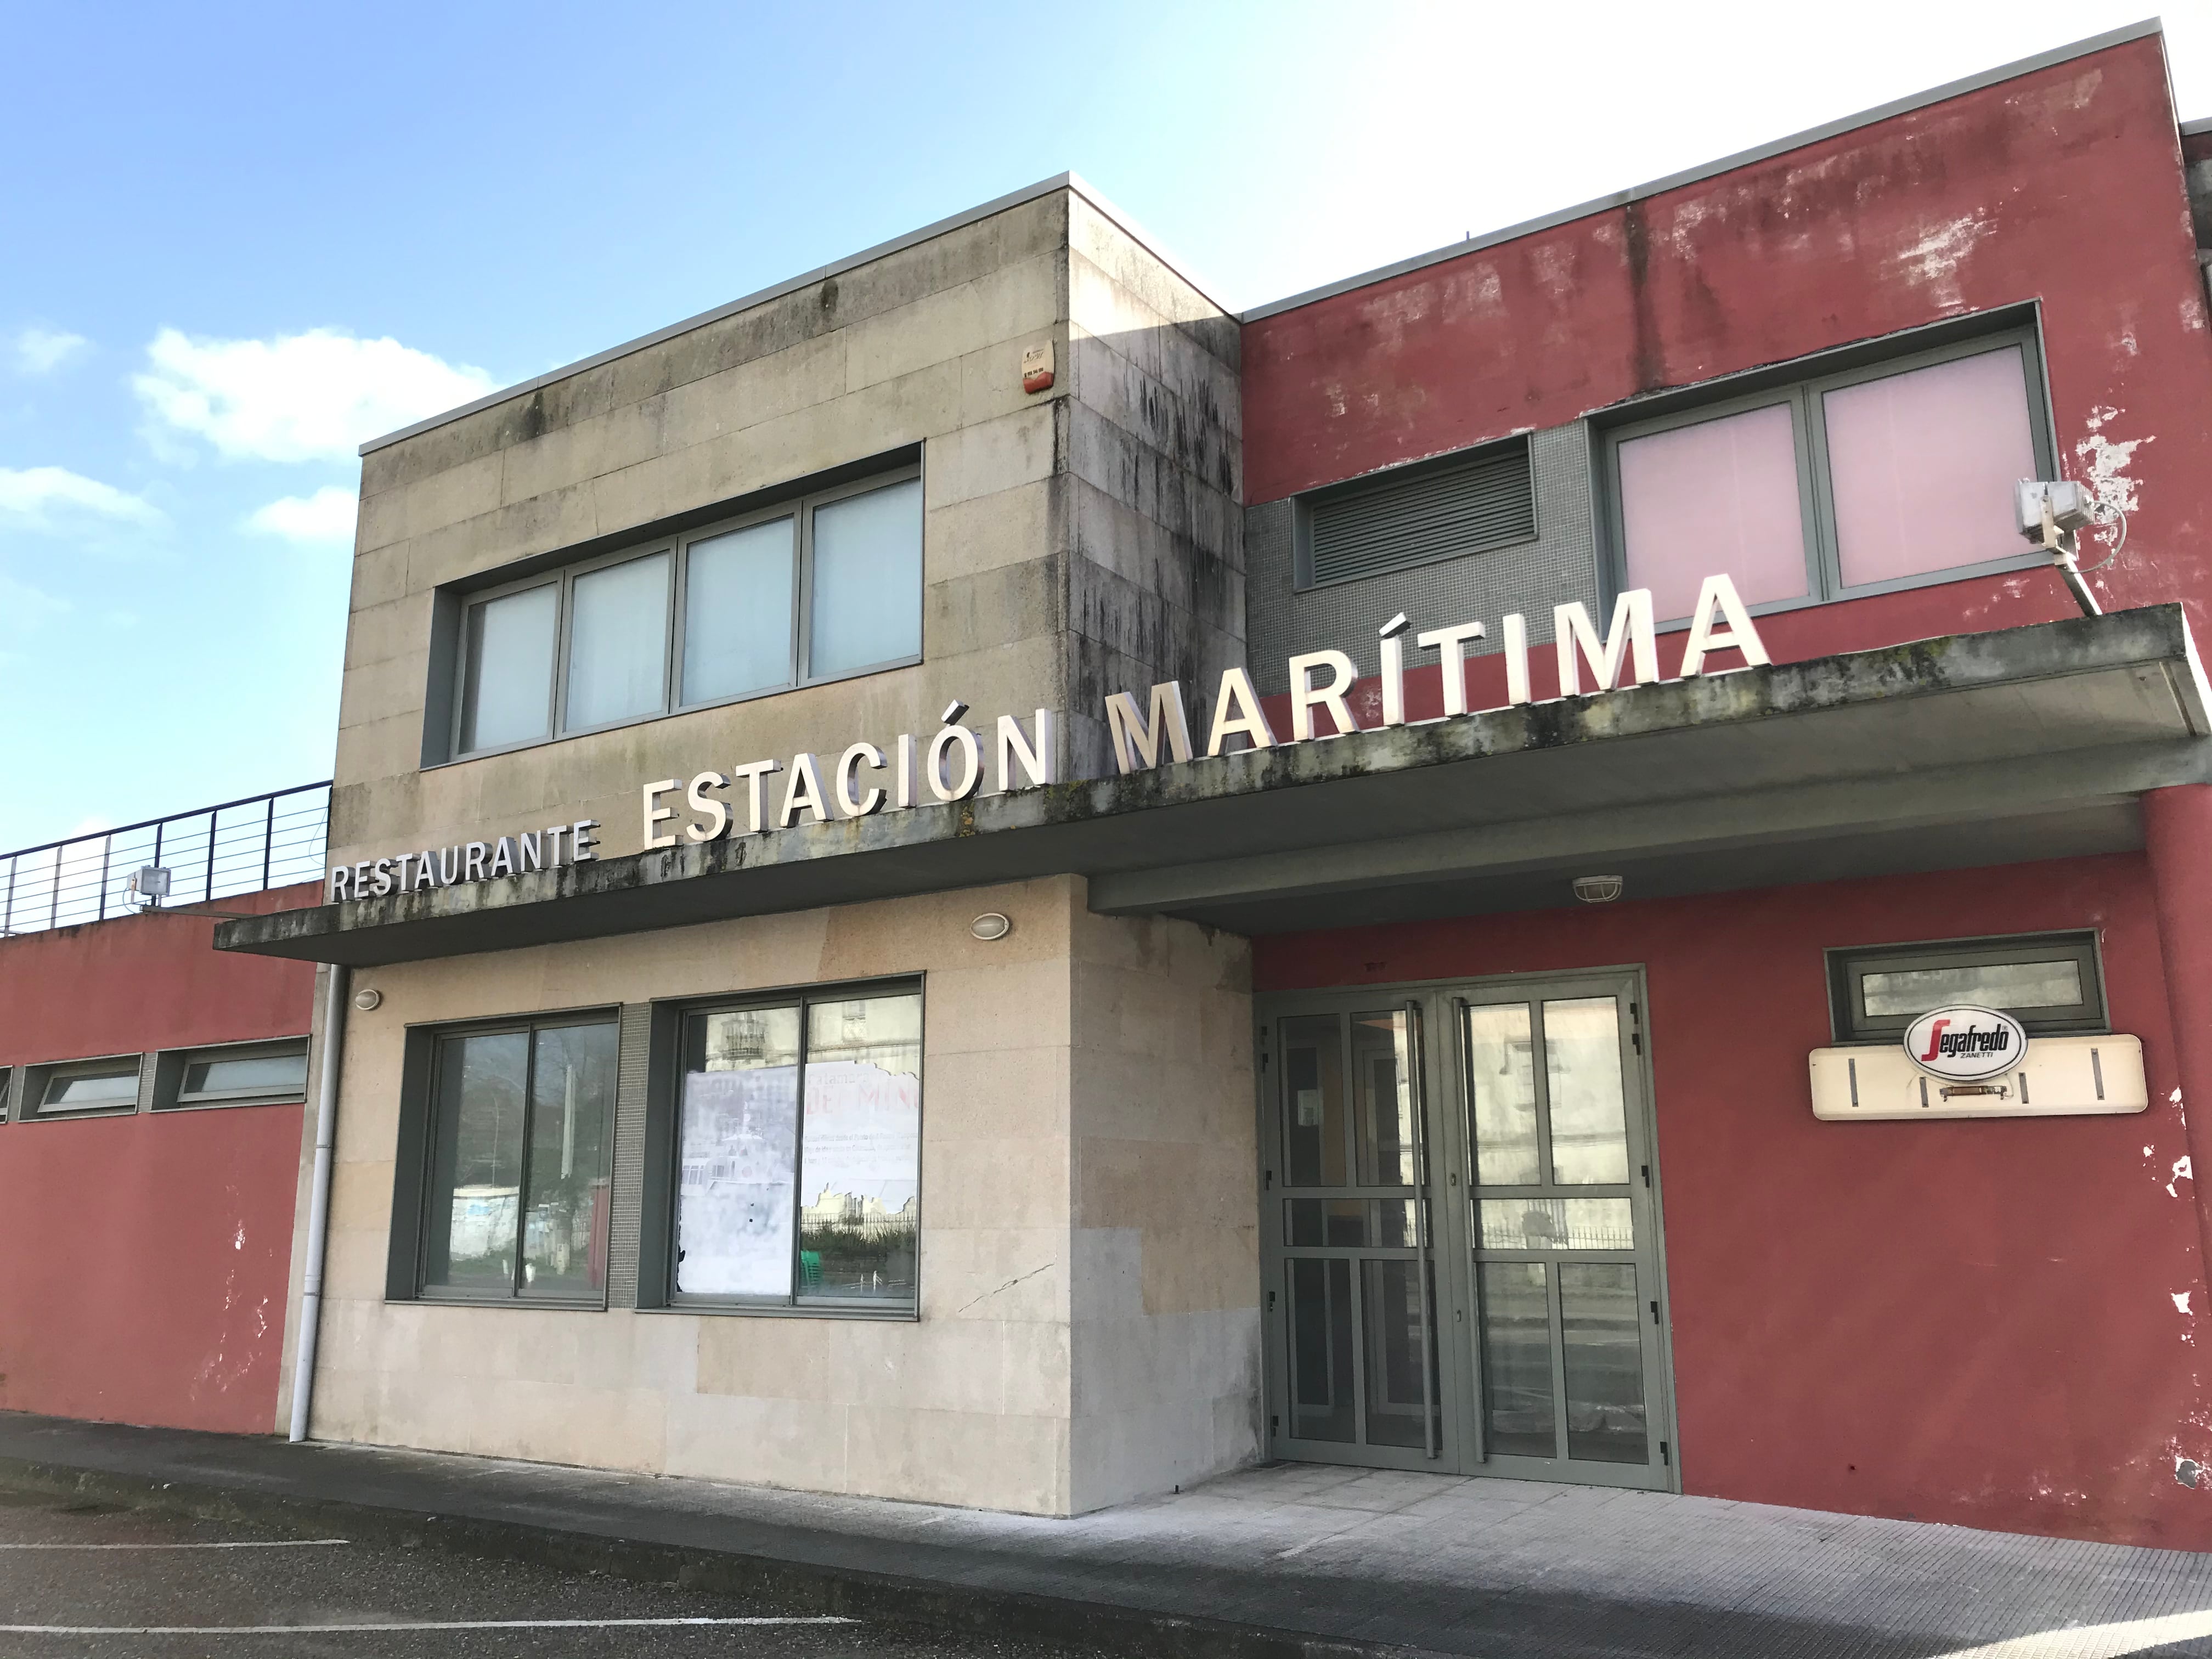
(1422, 515)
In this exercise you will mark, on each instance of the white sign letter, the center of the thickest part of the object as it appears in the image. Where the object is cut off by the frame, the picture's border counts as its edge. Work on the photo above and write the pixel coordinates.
(710, 807)
(1718, 594)
(1236, 709)
(1137, 735)
(1630, 639)
(1306, 696)
(1040, 764)
(803, 790)
(1451, 643)
(851, 806)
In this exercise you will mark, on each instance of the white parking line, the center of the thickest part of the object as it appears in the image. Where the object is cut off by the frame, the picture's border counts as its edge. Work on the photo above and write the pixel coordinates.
(2095, 1641)
(339, 1630)
(248, 1544)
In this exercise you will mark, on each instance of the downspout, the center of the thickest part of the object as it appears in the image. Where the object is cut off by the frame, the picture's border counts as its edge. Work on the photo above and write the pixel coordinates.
(318, 1197)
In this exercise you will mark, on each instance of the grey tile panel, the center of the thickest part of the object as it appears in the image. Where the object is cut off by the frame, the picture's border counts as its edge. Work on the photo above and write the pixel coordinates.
(1561, 565)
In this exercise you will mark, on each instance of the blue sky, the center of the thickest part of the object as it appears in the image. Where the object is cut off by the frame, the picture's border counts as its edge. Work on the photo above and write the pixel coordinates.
(240, 239)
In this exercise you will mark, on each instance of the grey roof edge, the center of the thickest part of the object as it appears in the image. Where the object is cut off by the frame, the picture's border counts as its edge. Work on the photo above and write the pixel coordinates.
(1621, 199)
(1068, 181)
(2190, 129)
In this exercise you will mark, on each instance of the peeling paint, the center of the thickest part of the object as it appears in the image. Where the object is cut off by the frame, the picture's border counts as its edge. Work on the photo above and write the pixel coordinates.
(1933, 262)
(2103, 465)
(2181, 1172)
(2187, 1470)
(2181, 1302)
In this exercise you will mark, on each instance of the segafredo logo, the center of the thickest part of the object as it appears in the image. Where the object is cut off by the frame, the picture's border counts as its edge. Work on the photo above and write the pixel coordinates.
(1966, 1045)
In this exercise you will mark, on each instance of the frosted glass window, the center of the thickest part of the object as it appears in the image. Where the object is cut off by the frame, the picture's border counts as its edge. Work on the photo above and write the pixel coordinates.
(736, 612)
(618, 642)
(1718, 496)
(74, 1092)
(867, 580)
(1923, 466)
(862, 1159)
(508, 697)
(739, 1147)
(244, 1075)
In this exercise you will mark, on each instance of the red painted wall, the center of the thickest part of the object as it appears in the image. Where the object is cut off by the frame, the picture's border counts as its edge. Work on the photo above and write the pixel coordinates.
(1964, 1321)
(2064, 186)
(147, 1256)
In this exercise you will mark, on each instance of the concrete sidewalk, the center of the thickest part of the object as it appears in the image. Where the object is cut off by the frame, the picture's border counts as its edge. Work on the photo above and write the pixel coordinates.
(1280, 1561)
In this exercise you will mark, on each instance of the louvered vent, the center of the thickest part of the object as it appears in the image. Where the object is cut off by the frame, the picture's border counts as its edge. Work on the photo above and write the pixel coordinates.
(1432, 513)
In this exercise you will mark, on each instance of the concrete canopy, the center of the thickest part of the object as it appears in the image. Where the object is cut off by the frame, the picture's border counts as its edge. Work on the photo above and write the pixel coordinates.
(1973, 749)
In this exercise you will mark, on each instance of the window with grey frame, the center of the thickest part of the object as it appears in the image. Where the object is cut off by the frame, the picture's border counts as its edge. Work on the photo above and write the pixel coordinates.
(797, 1152)
(2052, 983)
(86, 1086)
(1884, 474)
(234, 1074)
(519, 1149)
(821, 586)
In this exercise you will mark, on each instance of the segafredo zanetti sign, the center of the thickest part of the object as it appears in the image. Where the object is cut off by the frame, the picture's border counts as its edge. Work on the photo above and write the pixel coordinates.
(953, 764)
(1966, 1044)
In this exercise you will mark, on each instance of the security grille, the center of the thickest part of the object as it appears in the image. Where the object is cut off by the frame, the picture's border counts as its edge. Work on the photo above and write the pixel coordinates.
(1469, 504)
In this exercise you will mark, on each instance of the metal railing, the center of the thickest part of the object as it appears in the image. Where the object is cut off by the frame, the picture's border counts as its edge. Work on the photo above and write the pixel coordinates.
(216, 852)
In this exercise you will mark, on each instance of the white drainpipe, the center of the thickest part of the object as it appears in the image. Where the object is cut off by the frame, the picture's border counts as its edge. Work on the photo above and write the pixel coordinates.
(318, 1199)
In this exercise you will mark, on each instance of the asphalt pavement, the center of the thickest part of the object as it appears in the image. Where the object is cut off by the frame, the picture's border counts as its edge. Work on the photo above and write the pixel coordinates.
(94, 1581)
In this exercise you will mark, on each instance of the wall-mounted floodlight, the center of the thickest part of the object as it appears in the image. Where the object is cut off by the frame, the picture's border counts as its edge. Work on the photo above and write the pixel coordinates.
(151, 884)
(2052, 512)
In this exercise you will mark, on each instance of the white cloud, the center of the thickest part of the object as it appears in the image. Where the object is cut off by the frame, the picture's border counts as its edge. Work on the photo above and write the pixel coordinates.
(306, 396)
(326, 517)
(38, 495)
(42, 350)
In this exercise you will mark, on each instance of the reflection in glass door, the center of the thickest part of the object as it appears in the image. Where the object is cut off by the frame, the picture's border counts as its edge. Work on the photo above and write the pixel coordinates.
(1461, 1231)
(1352, 1269)
(1566, 1278)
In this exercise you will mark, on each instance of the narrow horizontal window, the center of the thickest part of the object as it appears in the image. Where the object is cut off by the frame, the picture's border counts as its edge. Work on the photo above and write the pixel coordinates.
(104, 1086)
(221, 1077)
(798, 1153)
(2050, 982)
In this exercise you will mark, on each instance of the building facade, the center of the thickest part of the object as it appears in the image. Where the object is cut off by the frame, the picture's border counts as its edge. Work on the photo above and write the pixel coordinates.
(975, 879)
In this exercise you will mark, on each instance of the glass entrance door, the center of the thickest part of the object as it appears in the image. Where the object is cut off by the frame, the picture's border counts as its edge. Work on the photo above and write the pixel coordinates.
(1461, 1231)
(1353, 1278)
(1563, 1234)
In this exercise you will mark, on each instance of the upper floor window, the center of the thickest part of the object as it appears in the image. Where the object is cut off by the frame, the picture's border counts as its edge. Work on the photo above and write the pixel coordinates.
(817, 588)
(1856, 481)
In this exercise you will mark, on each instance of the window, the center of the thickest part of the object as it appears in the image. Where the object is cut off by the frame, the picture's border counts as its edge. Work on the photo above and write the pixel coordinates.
(818, 588)
(798, 1152)
(96, 1085)
(2050, 982)
(260, 1075)
(520, 1141)
(1444, 509)
(1856, 481)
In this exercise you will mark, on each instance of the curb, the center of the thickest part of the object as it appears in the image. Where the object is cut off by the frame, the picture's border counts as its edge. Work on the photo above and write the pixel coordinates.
(801, 1586)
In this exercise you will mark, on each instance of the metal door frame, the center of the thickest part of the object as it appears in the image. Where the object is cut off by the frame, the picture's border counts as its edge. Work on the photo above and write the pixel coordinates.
(1456, 1330)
